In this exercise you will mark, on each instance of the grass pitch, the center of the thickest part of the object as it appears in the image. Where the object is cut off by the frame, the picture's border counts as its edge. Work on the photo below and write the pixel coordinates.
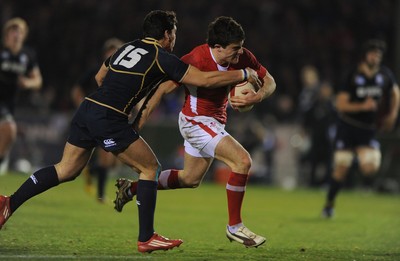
(65, 223)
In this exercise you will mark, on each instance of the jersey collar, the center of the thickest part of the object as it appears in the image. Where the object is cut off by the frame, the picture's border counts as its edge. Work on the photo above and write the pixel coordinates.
(151, 41)
(220, 67)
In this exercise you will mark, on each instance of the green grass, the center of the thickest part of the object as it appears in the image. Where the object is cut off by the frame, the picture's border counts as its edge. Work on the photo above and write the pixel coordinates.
(67, 224)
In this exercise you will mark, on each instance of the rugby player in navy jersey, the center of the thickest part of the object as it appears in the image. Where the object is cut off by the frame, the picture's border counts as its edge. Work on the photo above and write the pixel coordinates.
(367, 102)
(102, 120)
(202, 125)
(18, 70)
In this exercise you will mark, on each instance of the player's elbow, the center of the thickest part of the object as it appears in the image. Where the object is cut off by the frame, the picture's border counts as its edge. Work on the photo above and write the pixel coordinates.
(37, 83)
(271, 88)
(99, 79)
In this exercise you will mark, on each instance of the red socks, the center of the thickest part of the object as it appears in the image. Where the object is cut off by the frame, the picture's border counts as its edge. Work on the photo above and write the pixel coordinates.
(168, 179)
(235, 189)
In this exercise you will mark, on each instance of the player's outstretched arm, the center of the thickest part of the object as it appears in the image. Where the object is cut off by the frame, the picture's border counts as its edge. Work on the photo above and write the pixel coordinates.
(151, 102)
(215, 79)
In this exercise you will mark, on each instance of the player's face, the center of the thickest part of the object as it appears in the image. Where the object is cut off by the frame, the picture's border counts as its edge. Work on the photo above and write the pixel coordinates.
(171, 39)
(15, 36)
(373, 58)
(231, 53)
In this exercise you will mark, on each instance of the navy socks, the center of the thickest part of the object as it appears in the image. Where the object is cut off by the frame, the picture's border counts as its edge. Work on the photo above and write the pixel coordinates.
(146, 201)
(37, 183)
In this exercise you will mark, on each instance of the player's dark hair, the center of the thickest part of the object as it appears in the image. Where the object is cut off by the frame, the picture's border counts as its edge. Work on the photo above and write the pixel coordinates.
(224, 31)
(372, 44)
(157, 22)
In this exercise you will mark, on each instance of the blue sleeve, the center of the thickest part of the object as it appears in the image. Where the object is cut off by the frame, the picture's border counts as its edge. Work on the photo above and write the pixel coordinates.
(172, 66)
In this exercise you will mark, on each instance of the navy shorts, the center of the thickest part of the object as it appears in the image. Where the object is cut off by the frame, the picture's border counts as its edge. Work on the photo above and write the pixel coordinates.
(5, 113)
(95, 125)
(350, 137)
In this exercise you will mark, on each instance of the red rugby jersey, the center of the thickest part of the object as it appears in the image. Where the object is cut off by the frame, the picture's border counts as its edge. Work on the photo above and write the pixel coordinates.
(213, 102)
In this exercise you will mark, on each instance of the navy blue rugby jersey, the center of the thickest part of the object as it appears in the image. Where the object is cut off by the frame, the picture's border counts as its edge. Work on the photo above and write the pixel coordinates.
(360, 87)
(134, 70)
(11, 67)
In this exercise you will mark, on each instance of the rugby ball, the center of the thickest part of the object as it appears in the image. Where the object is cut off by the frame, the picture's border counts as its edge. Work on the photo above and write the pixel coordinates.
(237, 91)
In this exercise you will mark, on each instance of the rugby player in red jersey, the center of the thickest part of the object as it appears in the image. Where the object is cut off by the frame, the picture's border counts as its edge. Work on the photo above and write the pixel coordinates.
(202, 125)
(126, 77)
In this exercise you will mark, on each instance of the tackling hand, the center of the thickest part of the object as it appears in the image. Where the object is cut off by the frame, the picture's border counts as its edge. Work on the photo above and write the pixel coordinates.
(252, 77)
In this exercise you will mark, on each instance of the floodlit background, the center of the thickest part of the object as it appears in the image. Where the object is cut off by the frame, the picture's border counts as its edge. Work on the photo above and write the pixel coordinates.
(295, 40)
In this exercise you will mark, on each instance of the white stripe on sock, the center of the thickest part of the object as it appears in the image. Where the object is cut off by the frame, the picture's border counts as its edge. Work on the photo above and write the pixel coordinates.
(235, 188)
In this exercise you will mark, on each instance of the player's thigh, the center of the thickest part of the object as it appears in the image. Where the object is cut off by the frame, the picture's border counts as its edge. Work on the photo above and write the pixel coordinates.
(8, 130)
(342, 161)
(105, 159)
(73, 161)
(232, 153)
(195, 168)
(138, 155)
(369, 159)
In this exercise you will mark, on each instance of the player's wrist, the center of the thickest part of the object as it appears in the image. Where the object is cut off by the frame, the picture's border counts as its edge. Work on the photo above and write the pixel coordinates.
(245, 74)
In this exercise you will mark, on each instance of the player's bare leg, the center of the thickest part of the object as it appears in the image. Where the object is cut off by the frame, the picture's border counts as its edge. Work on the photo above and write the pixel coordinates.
(194, 170)
(8, 130)
(191, 176)
(342, 163)
(73, 161)
(238, 159)
(369, 160)
(140, 156)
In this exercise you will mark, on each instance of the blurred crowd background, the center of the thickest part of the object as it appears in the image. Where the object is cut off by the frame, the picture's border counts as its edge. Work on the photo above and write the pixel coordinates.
(307, 45)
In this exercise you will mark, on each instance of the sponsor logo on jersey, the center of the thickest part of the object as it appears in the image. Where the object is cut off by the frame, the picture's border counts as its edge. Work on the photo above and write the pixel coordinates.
(379, 79)
(109, 143)
(369, 91)
(33, 178)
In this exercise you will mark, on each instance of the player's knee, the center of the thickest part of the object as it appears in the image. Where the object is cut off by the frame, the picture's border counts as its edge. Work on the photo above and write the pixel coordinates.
(369, 161)
(243, 165)
(9, 131)
(67, 173)
(343, 159)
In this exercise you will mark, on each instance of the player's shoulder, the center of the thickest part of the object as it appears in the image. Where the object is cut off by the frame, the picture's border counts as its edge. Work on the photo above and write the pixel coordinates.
(199, 51)
(197, 54)
(28, 55)
(386, 70)
(248, 53)
(248, 59)
(28, 51)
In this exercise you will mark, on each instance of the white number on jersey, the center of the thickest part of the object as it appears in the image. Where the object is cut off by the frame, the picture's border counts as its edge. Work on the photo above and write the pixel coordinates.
(130, 56)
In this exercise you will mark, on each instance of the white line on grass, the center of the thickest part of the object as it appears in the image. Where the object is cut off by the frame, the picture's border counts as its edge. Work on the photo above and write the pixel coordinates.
(58, 257)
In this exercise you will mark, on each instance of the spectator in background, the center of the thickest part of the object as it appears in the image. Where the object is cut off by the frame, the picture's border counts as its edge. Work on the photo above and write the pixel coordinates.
(367, 102)
(317, 121)
(101, 160)
(18, 70)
